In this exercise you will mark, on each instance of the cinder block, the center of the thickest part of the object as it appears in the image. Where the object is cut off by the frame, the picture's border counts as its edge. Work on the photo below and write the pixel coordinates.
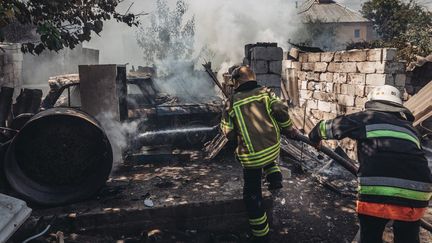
(348, 67)
(294, 53)
(312, 104)
(395, 67)
(305, 94)
(329, 97)
(366, 67)
(334, 67)
(357, 55)
(308, 66)
(304, 85)
(340, 78)
(345, 56)
(260, 67)
(275, 67)
(347, 89)
(302, 75)
(326, 77)
(325, 106)
(269, 80)
(389, 54)
(377, 79)
(312, 76)
(327, 56)
(314, 57)
(246, 61)
(346, 100)
(267, 53)
(400, 80)
(320, 67)
(296, 65)
(303, 57)
(287, 64)
(360, 102)
(338, 56)
(317, 114)
(360, 90)
(356, 78)
(329, 87)
(374, 55)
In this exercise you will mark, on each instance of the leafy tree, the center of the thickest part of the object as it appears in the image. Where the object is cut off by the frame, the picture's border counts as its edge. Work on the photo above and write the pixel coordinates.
(316, 33)
(169, 34)
(58, 23)
(405, 25)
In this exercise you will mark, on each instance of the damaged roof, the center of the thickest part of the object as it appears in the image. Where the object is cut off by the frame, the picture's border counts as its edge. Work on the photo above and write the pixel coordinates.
(329, 11)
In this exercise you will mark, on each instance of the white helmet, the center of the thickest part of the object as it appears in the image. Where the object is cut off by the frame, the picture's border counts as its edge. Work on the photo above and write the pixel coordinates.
(385, 93)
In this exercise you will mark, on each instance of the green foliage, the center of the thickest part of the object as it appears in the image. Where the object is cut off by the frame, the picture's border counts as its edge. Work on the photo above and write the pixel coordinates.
(59, 23)
(169, 34)
(316, 33)
(404, 25)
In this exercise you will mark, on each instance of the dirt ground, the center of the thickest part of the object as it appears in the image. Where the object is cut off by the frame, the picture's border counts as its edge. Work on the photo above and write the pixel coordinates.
(305, 212)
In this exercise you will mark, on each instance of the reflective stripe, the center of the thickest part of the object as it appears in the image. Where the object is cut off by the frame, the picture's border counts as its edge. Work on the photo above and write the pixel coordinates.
(272, 170)
(286, 124)
(260, 161)
(392, 134)
(396, 182)
(329, 130)
(243, 129)
(394, 192)
(249, 99)
(323, 130)
(260, 153)
(227, 124)
(258, 221)
(267, 103)
(262, 232)
(389, 127)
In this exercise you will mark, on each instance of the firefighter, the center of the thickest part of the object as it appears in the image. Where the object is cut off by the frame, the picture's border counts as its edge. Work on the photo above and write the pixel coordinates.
(395, 182)
(257, 117)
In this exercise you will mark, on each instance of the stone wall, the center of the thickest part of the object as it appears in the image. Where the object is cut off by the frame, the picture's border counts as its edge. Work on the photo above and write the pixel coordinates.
(266, 60)
(11, 66)
(337, 83)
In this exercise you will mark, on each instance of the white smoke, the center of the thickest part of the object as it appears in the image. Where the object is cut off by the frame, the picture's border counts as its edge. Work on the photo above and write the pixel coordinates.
(117, 133)
(223, 26)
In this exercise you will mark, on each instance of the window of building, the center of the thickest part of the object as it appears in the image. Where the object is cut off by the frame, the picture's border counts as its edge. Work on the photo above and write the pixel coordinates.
(357, 33)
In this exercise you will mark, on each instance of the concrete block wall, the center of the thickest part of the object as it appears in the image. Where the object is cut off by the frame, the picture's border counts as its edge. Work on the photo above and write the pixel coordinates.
(337, 83)
(266, 60)
(11, 66)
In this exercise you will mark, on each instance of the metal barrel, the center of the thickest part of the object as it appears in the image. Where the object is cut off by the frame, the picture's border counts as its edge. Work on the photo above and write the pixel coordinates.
(59, 156)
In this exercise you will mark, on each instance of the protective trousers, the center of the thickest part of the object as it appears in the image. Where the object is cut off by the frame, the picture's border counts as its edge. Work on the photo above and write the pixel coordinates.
(372, 229)
(252, 197)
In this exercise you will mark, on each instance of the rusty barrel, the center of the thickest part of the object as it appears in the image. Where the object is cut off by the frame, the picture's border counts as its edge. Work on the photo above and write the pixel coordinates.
(59, 156)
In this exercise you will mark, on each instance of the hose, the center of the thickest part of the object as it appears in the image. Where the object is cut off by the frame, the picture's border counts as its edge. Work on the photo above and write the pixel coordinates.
(41, 233)
(350, 166)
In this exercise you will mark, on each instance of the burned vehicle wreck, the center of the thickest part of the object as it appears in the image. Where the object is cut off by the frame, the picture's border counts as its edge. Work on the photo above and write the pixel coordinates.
(167, 112)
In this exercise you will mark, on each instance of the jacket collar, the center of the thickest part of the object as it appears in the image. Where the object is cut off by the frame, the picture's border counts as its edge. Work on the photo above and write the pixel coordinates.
(386, 106)
(249, 85)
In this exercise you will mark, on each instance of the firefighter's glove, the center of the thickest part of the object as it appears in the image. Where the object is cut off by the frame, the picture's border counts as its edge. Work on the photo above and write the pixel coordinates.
(227, 105)
(315, 138)
(292, 133)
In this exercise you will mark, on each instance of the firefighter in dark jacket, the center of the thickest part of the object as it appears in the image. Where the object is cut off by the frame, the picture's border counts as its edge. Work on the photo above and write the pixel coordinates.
(395, 182)
(257, 117)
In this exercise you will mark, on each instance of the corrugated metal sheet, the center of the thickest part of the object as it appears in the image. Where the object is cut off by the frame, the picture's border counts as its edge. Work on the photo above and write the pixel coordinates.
(421, 104)
(329, 12)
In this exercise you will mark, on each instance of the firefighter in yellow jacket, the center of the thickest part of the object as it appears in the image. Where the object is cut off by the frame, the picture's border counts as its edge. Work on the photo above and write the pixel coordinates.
(257, 117)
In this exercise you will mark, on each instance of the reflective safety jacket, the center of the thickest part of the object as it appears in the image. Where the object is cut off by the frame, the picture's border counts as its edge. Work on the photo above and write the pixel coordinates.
(395, 181)
(257, 116)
